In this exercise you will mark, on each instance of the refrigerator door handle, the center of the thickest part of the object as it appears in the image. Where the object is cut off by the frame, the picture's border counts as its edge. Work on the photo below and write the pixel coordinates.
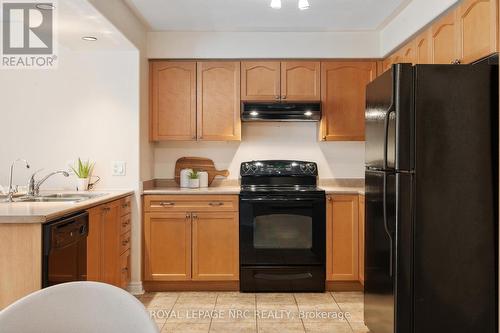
(386, 133)
(386, 225)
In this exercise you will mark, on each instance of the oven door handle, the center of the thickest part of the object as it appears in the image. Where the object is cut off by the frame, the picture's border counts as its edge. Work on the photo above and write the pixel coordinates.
(283, 277)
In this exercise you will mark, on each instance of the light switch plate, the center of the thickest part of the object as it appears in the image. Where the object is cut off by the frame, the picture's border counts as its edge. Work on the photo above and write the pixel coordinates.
(118, 168)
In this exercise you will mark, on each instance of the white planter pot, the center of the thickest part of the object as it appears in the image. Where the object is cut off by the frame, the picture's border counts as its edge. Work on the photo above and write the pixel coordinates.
(82, 184)
(184, 177)
(203, 178)
(194, 183)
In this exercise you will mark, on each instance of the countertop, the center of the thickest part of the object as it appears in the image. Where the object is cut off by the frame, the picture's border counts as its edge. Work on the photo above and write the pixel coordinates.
(168, 187)
(41, 212)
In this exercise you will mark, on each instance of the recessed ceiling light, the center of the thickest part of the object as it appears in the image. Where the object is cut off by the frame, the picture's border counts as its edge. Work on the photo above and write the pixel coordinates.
(276, 4)
(303, 4)
(45, 6)
(89, 38)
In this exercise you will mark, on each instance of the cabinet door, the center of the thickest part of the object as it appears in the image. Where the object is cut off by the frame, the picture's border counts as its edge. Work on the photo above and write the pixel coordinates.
(477, 29)
(343, 99)
(219, 101)
(260, 80)
(342, 238)
(300, 81)
(361, 239)
(215, 246)
(94, 240)
(423, 51)
(167, 246)
(408, 53)
(110, 243)
(386, 64)
(443, 40)
(173, 100)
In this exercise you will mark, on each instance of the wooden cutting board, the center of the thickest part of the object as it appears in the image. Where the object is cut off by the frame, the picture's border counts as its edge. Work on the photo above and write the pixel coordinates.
(198, 164)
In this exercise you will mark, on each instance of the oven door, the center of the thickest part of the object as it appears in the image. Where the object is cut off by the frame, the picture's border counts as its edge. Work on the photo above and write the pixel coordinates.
(282, 230)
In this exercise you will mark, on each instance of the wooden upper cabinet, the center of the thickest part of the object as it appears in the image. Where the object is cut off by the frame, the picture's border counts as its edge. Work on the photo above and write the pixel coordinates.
(167, 246)
(386, 64)
(423, 51)
(218, 101)
(477, 29)
(300, 80)
(260, 80)
(443, 39)
(173, 100)
(408, 53)
(215, 246)
(343, 99)
(342, 261)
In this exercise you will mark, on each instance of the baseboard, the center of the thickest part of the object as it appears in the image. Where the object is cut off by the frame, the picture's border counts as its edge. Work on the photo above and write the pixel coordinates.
(135, 288)
(191, 285)
(344, 286)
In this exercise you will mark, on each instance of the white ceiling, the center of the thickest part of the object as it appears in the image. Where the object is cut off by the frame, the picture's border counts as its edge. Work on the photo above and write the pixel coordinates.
(256, 15)
(77, 18)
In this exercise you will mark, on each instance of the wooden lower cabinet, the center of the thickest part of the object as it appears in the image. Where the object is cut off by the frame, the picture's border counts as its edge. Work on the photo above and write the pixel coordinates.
(342, 227)
(215, 246)
(199, 244)
(108, 243)
(167, 246)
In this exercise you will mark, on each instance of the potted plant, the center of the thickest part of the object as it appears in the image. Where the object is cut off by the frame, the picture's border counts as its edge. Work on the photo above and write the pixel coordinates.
(194, 179)
(83, 172)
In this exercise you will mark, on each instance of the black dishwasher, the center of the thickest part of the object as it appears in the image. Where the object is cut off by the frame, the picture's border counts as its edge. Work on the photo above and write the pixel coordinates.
(65, 250)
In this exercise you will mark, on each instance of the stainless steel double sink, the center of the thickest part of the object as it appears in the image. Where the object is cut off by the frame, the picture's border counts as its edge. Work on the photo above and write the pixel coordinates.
(60, 197)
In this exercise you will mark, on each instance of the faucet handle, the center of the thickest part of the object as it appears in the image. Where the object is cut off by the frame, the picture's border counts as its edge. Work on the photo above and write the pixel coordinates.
(31, 183)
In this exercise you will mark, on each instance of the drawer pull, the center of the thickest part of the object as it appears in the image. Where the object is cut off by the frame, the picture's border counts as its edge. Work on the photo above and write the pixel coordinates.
(164, 204)
(216, 204)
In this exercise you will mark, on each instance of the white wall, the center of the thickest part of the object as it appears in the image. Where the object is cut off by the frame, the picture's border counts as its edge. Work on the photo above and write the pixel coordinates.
(122, 17)
(268, 141)
(409, 21)
(86, 107)
(263, 45)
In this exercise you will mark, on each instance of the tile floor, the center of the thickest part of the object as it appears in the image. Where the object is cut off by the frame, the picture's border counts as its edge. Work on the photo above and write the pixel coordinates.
(233, 312)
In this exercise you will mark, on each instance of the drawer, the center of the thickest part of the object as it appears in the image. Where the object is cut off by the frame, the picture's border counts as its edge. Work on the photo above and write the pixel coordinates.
(124, 242)
(125, 223)
(125, 269)
(190, 203)
(125, 205)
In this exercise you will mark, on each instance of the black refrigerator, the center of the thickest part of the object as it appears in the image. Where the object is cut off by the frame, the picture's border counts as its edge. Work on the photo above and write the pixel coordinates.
(431, 177)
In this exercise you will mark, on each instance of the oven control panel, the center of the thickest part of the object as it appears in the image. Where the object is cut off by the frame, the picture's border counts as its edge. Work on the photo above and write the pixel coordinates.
(278, 168)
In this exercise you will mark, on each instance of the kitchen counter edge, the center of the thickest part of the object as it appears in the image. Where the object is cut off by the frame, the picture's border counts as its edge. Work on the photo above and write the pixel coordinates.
(30, 212)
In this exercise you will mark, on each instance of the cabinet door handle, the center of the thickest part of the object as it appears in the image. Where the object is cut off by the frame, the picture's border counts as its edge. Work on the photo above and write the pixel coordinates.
(126, 223)
(329, 198)
(125, 270)
(106, 209)
(188, 216)
(195, 216)
(216, 204)
(125, 242)
(456, 62)
(277, 97)
(125, 205)
(283, 97)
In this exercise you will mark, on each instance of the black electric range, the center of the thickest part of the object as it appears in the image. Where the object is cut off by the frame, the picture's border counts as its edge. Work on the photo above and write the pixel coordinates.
(282, 227)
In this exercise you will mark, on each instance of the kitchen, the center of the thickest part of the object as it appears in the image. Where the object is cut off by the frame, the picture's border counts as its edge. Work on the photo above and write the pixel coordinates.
(140, 105)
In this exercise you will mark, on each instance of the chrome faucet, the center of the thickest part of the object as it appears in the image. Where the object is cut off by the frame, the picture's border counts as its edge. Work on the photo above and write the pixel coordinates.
(34, 186)
(10, 195)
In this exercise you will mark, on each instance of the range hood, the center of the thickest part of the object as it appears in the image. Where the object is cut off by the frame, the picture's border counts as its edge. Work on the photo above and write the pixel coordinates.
(290, 111)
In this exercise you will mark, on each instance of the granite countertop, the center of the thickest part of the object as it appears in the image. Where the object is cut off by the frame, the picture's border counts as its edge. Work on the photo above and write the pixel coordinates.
(169, 187)
(41, 212)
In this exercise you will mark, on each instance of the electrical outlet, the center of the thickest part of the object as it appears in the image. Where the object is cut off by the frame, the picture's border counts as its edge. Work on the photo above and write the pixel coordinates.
(118, 168)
